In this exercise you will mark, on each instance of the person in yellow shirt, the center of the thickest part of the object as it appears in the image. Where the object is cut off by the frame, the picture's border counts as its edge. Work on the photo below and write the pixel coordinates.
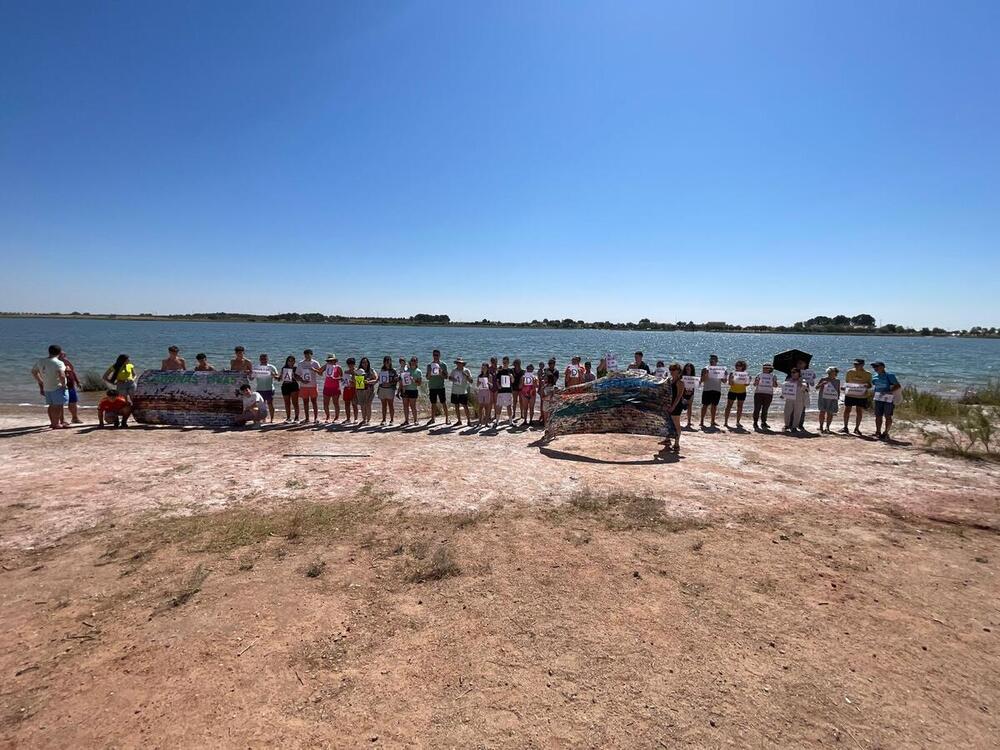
(738, 381)
(121, 376)
(854, 398)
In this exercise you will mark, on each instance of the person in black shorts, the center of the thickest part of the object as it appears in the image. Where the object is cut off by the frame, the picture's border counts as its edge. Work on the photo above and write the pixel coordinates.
(677, 405)
(436, 374)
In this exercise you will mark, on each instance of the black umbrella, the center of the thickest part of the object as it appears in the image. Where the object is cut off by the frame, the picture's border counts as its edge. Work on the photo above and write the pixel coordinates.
(785, 361)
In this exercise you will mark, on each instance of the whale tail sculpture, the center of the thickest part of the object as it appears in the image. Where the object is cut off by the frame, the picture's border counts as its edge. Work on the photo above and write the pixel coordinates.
(188, 397)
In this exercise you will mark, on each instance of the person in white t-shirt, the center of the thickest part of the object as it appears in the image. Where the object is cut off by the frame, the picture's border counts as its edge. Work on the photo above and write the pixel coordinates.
(307, 372)
(50, 374)
(254, 406)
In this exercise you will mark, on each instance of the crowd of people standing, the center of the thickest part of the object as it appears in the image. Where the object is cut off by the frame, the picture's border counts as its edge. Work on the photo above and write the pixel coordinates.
(502, 389)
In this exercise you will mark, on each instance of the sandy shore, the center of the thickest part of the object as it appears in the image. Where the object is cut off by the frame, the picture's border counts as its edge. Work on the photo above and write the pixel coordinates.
(319, 587)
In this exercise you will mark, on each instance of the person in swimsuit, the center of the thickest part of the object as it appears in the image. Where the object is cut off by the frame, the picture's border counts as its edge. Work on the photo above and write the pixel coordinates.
(349, 392)
(688, 371)
(202, 363)
(290, 389)
(738, 381)
(332, 372)
(574, 373)
(527, 394)
(173, 361)
(410, 380)
(677, 404)
(239, 363)
(388, 380)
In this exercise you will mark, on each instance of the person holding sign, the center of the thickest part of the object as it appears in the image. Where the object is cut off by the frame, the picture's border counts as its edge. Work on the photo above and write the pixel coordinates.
(264, 375)
(549, 376)
(332, 373)
(677, 404)
(461, 381)
(505, 392)
(711, 388)
(887, 388)
(829, 397)
(306, 372)
(437, 373)
(858, 383)
(364, 384)
(690, 380)
(638, 364)
(763, 393)
(738, 382)
(527, 395)
(796, 394)
(348, 385)
(410, 380)
(484, 393)
(388, 379)
(290, 389)
(574, 373)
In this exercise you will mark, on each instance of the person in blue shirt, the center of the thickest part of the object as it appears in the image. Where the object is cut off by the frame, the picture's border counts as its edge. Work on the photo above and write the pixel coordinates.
(885, 385)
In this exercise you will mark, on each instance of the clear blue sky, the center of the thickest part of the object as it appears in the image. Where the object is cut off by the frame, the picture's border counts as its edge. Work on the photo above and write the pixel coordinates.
(749, 162)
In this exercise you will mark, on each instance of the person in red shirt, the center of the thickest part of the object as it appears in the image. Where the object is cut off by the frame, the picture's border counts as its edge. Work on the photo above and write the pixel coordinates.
(115, 409)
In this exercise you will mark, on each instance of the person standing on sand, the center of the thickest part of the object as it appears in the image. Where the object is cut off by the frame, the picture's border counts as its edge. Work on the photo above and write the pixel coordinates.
(828, 400)
(364, 385)
(550, 376)
(349, 390)
(516, 392)
(202, 364)
(264, 376)
(574, 373)
(332, 372)
(857, 390)
(461, 381)
(677, 404)
(307, 370)
(484, 394)
(738, 380)
(410, 380)
(711, 390)
(763, 394)
(886, 386)
(290, 389)
(796, 394)
(687, 371)
(74, 387)
(174, 361)
(50, 374)
(240, 363)
(388, 380)
(528, 394)
(505, 392)
(437, 373)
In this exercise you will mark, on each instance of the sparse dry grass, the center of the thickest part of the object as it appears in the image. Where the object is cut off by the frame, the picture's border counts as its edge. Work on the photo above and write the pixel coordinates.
(628, 512)
(191, 586)
(436, 566)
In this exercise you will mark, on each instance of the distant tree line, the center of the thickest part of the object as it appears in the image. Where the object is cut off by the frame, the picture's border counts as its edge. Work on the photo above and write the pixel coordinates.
(861, 323)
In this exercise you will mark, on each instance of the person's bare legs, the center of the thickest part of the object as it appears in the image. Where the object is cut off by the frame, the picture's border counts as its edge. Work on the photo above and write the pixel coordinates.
(326, 408)
(336, 407)
(55, 416)
(689, 410)
(739, 412)
(729, 410)
(74, 415)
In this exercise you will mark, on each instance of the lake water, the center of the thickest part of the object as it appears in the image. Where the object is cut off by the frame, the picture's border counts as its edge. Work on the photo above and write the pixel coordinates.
(946, 365)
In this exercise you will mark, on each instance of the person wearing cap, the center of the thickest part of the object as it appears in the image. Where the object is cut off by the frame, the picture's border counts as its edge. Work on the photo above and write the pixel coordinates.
(574, 372)
(856, 397)
(388, 380)
(410, 380)
(763, 394)
(307, 370)
(886, 386)
(173, 361)
(264, 375)
(332, 373)
(828, 400)
(239, 362)
(461, 379)
(437, 373)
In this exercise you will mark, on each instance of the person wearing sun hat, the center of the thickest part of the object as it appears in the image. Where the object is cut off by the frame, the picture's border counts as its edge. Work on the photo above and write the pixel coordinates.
(461, 380)
(332, 373)
(886, 386)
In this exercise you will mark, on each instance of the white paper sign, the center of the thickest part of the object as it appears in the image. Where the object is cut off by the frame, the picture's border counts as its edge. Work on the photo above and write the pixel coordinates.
(505, 381)
(435, 369)
(690, 382)
(887, 396)
(406, 378)
(383, 377)
(307, 377)
(611, 361)
(660, 372)
(789, 389)
(529, 379)
(717, 371)
(830, 391)
(809, 376)
(856, 390)
(484, 384)
(574, 371)
(347, 380)
(742, 378)
(287, 375)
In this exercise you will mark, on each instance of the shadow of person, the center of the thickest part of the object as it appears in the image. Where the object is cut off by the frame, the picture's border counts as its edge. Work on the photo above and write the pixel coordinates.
(658, 458)
(18, 431)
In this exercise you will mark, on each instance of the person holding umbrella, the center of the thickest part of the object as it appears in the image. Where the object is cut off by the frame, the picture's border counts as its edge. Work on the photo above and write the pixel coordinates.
(795, 359)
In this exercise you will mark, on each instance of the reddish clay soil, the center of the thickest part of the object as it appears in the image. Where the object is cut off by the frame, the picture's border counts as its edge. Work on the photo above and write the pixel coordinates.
(186, 588)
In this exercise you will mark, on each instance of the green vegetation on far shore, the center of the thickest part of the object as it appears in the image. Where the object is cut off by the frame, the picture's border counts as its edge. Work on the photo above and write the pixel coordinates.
(862, 324)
